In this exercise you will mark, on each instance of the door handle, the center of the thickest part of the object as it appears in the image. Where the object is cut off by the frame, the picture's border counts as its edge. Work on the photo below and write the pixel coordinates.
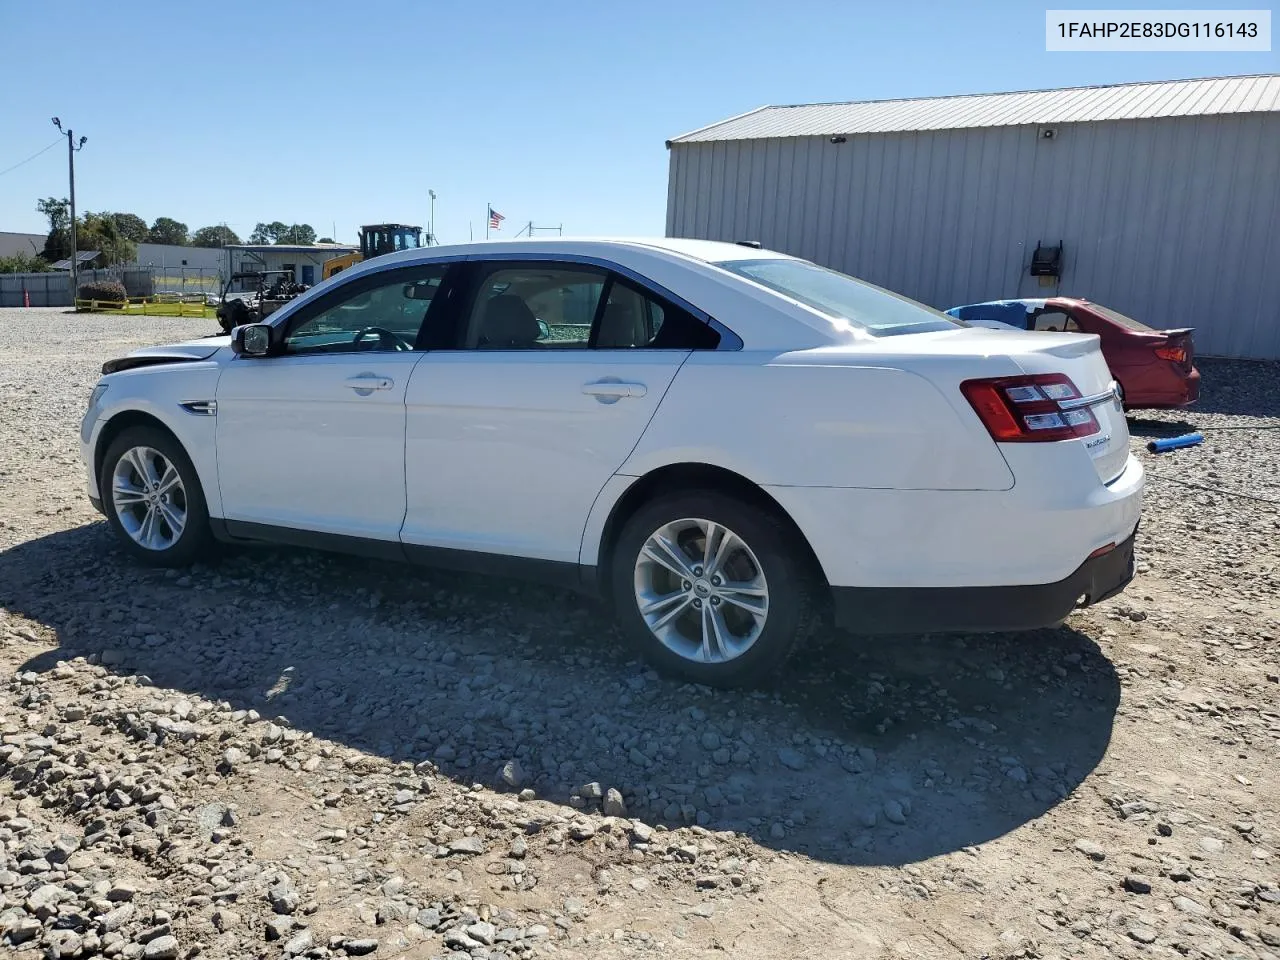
(608, 390)
(366, 383)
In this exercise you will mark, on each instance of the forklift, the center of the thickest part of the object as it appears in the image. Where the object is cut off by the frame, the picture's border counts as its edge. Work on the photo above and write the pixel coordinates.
(376, 240)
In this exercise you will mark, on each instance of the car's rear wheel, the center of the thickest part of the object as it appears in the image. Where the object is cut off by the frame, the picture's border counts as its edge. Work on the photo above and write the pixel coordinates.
(152, 498)
(710, 588)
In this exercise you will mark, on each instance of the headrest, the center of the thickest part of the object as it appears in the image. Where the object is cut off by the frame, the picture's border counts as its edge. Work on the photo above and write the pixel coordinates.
(508, 322)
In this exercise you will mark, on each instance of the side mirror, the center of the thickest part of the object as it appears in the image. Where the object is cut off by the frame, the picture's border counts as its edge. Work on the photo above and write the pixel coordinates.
(251, 340)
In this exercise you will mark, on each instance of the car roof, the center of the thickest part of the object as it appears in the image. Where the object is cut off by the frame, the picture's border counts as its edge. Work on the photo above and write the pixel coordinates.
(706, 251)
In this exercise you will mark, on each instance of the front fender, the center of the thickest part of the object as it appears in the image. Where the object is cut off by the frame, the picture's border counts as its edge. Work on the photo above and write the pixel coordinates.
(158, 393)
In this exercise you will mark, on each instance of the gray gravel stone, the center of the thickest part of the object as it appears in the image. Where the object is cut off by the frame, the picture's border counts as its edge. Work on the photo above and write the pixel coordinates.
(1094, 851)
(613, 804)
(161, 948)
(1136, 884)
(893, 812)
(299, 943)
(1142, 934)
(1189, 906)
(513, 774)
(283, 898)
(791, 758)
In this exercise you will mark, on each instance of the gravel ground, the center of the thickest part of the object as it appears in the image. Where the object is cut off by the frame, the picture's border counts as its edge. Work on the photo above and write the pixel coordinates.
(293, 754)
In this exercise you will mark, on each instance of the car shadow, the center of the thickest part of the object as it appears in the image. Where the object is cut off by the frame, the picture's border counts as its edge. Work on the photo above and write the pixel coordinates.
(1156, 429)
(867, 751)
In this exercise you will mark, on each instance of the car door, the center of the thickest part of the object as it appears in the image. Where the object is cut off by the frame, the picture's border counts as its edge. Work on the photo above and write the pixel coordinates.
(311, 438)
(558, 369)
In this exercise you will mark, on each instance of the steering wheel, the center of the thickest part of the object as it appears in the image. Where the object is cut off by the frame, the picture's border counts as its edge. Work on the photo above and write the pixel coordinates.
(386, 339)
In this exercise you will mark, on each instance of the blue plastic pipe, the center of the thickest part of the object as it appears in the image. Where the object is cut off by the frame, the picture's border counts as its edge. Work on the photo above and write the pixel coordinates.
(1175, 443)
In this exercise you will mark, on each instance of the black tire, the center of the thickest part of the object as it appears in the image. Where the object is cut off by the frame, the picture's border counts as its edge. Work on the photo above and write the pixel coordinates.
(196, 537)
(784, 562)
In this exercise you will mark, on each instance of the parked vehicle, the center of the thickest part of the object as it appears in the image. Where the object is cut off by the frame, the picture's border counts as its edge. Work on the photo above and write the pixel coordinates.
(1154, 368)
(725, 441)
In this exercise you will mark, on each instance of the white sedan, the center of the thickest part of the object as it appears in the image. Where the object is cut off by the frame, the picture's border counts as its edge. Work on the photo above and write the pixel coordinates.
(726, 442)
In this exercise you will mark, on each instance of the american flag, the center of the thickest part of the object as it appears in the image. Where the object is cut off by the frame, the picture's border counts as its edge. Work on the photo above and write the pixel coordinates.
(495, 219)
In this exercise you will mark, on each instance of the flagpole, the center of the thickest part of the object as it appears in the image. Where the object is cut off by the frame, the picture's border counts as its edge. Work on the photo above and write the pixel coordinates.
(488, 218)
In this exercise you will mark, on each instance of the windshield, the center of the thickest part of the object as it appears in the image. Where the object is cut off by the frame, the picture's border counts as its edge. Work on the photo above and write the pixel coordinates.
(878, 311)
(1127, 322)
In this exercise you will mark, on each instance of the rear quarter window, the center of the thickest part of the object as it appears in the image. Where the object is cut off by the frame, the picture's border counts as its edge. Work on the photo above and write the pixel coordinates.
(879, 312)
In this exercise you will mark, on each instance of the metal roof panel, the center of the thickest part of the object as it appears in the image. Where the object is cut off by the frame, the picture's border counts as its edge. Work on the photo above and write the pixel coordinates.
(1126, 101)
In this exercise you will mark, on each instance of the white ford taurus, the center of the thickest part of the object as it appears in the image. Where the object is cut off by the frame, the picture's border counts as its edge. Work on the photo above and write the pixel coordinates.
(724, 441)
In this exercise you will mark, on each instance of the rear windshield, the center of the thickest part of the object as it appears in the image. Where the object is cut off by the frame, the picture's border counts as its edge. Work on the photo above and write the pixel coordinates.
(1127, 322)
(880, 312)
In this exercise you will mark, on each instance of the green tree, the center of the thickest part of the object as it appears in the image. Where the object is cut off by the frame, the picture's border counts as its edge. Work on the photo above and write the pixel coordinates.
(268, 232)
(99, 231)
(326, 240)
(131, 226)
(57, 245)
(297, 233)
(24, 263)
(168, 230)
(215, 236)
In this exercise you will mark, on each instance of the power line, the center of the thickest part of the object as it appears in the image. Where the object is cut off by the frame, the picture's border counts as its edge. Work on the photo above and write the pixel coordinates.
(30, 158)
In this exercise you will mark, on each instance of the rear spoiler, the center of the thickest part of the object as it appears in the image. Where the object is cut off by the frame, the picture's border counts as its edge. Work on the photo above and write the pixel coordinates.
(1177, 332)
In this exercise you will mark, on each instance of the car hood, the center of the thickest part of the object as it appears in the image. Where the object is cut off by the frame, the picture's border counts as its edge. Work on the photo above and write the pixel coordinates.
(184, 352)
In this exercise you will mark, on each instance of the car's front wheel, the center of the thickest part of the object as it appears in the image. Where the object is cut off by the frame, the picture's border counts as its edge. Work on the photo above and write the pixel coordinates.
(711, 588)
(152, 498)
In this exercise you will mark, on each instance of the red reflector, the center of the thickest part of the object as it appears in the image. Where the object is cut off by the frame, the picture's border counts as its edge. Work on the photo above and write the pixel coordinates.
(1102, 551)
(1030, 409)
(1174, 354)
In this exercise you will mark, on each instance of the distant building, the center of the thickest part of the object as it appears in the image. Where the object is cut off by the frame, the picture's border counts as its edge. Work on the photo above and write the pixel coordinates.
(1163, 199)
(303, 261)
(167, 255)
(32, 244)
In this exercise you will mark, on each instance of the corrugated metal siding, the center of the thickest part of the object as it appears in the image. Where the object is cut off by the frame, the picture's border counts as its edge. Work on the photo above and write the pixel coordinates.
(1133, 101)
(1175, 221)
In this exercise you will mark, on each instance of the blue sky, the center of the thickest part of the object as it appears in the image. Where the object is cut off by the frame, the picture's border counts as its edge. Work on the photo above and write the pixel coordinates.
(347, 113)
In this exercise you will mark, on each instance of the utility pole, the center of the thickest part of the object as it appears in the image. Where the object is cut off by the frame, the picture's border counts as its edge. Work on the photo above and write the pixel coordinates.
(72, 149)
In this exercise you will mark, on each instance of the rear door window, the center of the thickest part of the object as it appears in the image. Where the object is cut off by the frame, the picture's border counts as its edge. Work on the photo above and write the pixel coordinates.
(534, 307)
(1057, 321)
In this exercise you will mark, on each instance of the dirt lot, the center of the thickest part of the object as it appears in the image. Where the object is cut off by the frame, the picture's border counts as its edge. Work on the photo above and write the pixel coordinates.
(289, 753)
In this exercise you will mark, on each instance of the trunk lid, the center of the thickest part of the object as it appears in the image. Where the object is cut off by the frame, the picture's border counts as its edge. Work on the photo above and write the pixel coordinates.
(1078, 355)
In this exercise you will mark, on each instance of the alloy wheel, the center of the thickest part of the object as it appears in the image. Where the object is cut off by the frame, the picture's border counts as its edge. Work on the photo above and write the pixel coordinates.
(701, 590)
(149, 497)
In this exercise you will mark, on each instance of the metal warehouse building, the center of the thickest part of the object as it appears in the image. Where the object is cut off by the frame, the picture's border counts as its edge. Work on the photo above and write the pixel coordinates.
(1162, 199)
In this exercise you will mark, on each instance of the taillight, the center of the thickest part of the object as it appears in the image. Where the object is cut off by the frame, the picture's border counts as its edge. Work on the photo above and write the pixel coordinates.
(1030, 408)
(1174, 354)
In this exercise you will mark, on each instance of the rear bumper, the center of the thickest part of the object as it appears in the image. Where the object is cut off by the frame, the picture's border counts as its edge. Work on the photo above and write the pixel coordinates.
(983, 609)
(1167, 392)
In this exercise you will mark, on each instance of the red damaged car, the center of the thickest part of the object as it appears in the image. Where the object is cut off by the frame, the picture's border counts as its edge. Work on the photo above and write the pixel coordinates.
(1154, 368)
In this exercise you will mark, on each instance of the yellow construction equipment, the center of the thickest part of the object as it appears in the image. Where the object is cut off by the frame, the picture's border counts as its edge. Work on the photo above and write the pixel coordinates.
(376, 240)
